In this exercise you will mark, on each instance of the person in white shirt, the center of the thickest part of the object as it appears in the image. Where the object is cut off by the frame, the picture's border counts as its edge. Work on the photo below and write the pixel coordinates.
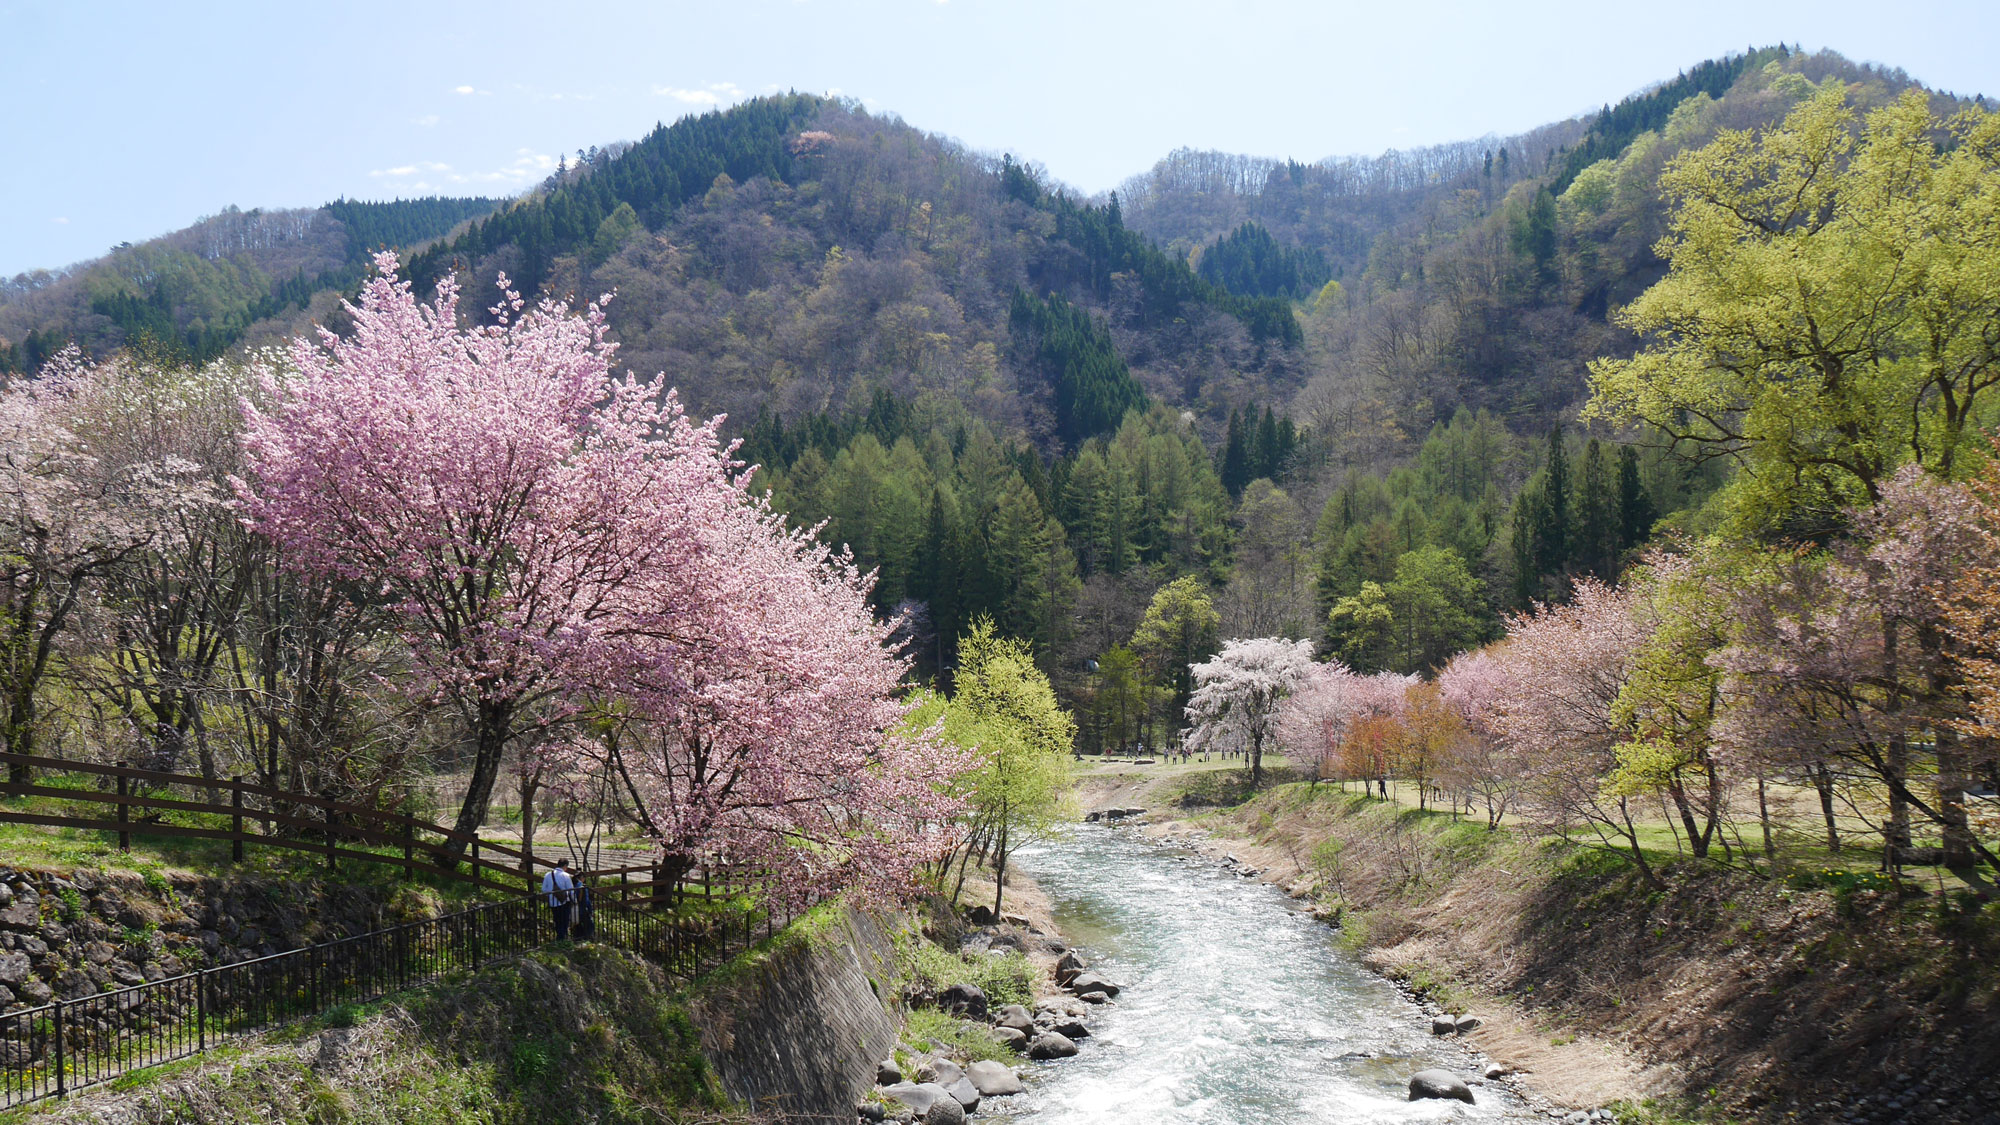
(561, 892)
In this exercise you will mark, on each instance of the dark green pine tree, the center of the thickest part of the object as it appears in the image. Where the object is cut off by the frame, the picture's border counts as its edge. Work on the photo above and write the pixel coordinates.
(1635, 507)
(1552, 533)
(1270, 455)
(1599, 530)
(1236, 465)
(935, 580)
(1528, 516)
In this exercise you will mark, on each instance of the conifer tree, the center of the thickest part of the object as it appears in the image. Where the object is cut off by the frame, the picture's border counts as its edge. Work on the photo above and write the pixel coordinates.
(1635, 507)
(1599, 524)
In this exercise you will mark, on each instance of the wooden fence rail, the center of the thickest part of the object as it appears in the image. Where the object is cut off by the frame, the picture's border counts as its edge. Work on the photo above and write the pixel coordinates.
(327, 829)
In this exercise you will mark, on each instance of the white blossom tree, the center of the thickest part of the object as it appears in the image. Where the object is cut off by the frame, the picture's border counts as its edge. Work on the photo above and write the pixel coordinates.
(1236, 695)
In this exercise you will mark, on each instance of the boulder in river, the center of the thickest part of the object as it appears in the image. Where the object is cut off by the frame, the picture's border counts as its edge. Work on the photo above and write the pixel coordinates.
(1069, 1027)
(945, 1111)
(918, 1096)
(944, 1072)
(963, 1000)
(1068, 967)
(992, 1079)
(1088, 981)
(1469, 1023)
(1049, 1045)
(1439, 1084)
(1010, 1038)
(1094, 996)
(1014, 1016)
(887, 1073)
(964, 1092)
(1444, 1025)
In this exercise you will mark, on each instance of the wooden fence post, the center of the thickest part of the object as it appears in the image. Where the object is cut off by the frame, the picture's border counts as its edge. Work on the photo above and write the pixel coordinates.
(124, 812)
(236, 820)
(409, 850)
(332, 861)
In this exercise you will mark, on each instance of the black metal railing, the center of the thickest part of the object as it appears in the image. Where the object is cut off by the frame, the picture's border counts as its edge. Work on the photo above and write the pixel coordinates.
(50, 1050)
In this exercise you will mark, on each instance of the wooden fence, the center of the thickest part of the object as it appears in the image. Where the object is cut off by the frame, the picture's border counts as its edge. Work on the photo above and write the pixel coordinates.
(136, 801)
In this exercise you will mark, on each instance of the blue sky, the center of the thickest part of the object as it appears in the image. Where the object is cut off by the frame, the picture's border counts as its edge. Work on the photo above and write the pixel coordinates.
(127, 120)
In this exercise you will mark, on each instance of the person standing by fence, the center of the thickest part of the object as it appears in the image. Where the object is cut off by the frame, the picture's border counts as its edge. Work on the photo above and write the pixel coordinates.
(586, 910)
(560, 890)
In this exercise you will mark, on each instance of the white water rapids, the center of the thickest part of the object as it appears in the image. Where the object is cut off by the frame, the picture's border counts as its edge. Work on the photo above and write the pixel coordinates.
(1237, 1009)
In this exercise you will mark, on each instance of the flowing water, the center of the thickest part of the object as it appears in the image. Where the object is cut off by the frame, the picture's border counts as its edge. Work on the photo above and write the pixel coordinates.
(1237, 1007)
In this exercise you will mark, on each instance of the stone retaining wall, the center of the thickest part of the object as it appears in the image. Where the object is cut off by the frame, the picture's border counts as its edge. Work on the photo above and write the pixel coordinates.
(801, 1031)
(75, 935)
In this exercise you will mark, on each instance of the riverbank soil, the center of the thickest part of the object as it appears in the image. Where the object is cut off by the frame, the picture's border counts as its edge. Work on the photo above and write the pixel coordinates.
(1743, 994)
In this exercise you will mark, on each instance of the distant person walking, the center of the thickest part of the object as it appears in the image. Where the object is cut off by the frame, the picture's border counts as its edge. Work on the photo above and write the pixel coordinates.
(560, 890)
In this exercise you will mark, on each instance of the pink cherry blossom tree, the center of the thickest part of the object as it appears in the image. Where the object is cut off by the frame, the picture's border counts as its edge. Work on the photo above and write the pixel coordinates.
(1470, 685)
(776, 735)
(1558, 678)
(533, 518)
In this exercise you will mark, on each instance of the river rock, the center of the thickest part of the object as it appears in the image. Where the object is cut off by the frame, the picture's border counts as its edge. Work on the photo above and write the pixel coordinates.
(1444, 1025)
(1088, 981)
(964, 1092)
(1070, 1028)
(1014, 1016)
(887, 1073)
(1094, 996)
(945, 1111)
(1051, 1045)
(992, 1079)
(1439, 1084)
(944, 1072)
(1494, 1072)
(1469, 1023)
(1069, 966)
(1010, 1038)
(963, 1000)
(870, 1111)
(980, 916)
(917, 1095)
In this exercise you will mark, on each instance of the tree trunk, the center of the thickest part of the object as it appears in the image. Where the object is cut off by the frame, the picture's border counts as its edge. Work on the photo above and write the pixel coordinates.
(1896, 833)
(1697, 839)
(1822, 779)
(1256, 761)
(999, 870)
(1638, 854)
(527, 822)
(1764, 818)
(489, 740)
(1951, 801)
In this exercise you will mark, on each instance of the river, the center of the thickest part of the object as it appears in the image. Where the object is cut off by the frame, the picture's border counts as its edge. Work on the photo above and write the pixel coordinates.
(1238, 1008)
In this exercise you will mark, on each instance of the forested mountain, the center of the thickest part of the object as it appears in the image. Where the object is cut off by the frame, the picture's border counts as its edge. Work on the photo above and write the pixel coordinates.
(1331, 393)
(233, 277)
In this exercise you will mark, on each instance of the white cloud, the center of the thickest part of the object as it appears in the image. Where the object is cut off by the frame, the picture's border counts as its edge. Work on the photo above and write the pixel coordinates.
(412, 169)
(715, 93)
(463, 90)
(691, 97)
(60, 220)
(427, 120)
